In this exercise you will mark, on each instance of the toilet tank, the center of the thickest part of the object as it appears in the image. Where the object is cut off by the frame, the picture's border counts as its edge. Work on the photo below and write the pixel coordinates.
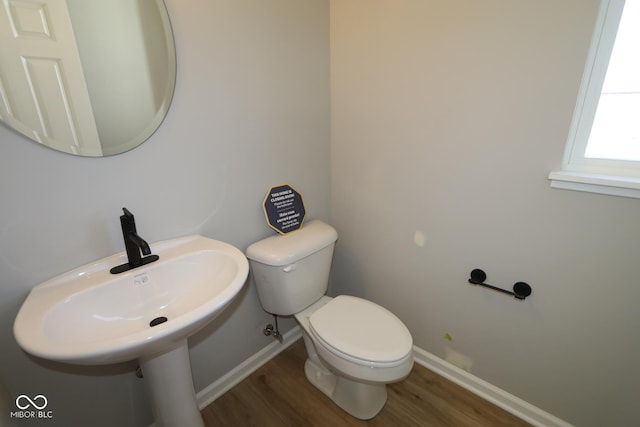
(291, 271)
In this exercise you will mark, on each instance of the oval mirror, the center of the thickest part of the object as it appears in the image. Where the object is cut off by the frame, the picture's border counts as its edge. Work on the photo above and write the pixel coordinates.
(92, 78)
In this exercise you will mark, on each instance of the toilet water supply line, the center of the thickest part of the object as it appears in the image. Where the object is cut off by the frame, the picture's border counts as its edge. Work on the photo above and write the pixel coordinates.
(271, 330)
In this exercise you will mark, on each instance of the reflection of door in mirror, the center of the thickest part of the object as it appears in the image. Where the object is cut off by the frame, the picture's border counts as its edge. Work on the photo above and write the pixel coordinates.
(47, 98)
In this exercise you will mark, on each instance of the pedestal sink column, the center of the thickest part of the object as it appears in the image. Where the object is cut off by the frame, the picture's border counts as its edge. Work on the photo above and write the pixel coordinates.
(170, 385)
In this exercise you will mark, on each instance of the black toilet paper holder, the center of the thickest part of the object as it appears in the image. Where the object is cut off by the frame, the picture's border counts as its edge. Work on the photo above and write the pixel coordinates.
(521, 290)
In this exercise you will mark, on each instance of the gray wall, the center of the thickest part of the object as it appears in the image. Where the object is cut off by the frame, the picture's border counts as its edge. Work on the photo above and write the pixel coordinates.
(447, 117)
(251, 110)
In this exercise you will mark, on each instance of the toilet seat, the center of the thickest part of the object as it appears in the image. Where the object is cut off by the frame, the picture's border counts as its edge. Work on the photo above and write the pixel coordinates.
(361, 332)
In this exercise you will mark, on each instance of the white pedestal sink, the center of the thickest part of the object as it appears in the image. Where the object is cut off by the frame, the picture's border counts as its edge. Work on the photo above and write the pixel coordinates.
(89, 316)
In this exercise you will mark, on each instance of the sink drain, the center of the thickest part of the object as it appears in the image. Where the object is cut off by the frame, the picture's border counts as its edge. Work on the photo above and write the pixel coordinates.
(157, 321)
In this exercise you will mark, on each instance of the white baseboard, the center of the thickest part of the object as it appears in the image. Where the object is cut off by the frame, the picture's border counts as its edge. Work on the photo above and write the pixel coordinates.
(477, 386)
(510, 403)
(246, 368)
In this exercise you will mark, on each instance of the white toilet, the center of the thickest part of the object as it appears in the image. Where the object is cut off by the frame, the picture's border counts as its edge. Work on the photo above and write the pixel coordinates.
(355, 346)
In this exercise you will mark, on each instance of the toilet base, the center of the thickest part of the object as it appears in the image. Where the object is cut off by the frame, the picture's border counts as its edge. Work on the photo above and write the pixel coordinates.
(361, 400)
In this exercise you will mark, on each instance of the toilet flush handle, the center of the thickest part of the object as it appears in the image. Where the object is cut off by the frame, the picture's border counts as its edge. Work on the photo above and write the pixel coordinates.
(289, 268)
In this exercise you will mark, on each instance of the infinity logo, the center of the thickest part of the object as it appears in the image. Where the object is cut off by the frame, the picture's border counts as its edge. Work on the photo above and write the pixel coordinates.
(20, 402)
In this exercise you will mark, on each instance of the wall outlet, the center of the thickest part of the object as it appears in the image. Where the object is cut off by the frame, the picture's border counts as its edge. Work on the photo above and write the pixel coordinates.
(458, 359)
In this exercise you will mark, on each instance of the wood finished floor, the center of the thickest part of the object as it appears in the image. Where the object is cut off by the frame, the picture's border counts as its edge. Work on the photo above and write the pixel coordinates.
(278, 394)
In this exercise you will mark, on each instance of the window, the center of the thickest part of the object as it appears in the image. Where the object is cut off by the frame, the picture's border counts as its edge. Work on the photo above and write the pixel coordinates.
(603, 150)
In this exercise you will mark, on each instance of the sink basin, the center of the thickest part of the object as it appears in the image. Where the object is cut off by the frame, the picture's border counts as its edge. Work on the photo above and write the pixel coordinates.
(90, 316)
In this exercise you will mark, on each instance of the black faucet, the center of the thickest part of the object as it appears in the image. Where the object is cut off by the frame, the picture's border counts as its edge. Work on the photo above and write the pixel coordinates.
(134, 245)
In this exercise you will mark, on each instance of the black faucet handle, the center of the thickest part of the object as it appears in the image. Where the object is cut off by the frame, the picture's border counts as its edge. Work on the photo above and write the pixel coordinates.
(128, 222)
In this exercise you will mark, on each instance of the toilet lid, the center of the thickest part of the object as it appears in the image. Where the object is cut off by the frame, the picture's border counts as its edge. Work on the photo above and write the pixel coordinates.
(361, 329)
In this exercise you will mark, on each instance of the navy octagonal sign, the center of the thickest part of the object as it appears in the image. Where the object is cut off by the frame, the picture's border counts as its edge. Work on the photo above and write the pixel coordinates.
(284, 209)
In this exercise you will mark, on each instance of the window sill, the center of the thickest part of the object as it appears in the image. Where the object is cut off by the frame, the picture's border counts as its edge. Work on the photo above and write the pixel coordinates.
(592, 183)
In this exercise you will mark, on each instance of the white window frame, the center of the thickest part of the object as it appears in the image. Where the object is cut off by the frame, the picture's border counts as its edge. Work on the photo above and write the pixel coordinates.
(614, 177)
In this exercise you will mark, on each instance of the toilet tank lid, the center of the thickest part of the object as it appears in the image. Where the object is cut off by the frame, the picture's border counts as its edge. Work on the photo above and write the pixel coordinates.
(292, 247)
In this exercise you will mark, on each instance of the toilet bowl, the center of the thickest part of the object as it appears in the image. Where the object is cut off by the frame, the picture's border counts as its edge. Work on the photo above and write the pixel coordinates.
(354, 346)
(349, 367)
